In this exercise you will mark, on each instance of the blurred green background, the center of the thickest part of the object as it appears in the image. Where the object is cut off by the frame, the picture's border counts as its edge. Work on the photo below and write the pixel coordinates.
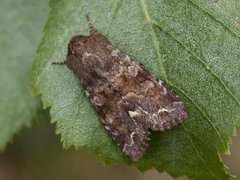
(37, 153)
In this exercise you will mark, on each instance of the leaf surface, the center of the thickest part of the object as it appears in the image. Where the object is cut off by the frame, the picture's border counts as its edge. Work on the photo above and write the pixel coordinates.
(193, 46)
(21, 24)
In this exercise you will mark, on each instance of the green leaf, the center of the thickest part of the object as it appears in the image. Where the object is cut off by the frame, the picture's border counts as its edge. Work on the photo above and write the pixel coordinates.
(192, 45)
(21, 24)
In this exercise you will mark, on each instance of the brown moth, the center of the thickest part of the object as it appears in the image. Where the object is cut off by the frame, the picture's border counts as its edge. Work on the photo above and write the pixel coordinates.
(129, 100)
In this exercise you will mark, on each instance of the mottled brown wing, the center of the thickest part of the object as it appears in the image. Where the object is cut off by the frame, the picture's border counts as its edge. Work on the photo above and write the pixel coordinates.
(158, 106)
(131, 136)
(127, 97)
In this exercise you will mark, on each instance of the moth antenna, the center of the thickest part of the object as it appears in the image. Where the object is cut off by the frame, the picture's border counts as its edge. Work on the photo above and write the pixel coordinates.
(59, 63)
(90, 25)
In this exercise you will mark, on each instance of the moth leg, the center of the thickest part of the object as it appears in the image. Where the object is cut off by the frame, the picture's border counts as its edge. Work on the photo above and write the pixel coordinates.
(59, 63)
(90, 24)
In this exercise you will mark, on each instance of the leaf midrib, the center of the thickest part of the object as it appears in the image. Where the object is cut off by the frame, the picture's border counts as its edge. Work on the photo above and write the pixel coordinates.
(154, 39)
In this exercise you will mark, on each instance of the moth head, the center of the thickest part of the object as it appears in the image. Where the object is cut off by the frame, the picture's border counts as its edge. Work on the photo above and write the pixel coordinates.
(76, 45)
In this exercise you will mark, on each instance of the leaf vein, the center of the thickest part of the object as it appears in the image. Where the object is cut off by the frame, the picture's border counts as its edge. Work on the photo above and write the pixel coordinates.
(198, 154)
(115, 9)
(154, 39)
(201, 61)
(215, 18)
(202, 112)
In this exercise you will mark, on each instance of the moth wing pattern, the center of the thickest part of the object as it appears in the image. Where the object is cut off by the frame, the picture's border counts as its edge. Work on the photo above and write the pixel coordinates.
(129, 100)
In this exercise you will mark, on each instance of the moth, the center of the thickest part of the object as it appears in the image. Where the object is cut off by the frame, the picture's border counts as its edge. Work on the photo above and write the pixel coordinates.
(128, 98)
